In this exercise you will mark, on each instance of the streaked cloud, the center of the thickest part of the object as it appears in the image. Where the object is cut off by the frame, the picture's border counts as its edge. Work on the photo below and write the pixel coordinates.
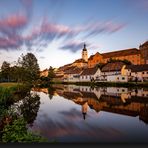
(76, 45)
(73, 46)
(16, 35)
(108, 27)
(10, 31)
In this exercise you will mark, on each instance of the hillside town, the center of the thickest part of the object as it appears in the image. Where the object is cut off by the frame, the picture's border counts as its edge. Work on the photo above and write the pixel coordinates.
(117, 66)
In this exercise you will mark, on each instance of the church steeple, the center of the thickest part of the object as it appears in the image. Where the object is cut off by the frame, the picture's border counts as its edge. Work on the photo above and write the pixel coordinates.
(84, 46)
(84, 53)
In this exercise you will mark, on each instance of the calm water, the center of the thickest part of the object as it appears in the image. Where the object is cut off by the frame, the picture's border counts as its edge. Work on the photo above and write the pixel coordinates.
(84, 114)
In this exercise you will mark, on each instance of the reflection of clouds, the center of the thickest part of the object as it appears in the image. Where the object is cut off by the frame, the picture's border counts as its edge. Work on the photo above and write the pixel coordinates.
(71, 124)
(72, 114)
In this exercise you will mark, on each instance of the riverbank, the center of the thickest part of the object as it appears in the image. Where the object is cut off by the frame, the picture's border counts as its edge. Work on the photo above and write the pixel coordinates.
(105, 84)
(12, 125)
(8, 85)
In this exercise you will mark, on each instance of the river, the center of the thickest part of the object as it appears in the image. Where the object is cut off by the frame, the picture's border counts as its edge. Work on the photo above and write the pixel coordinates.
(69, 113)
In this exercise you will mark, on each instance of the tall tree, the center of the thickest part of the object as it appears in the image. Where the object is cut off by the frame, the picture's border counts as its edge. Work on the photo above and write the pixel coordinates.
(5, 71)
(31, 68)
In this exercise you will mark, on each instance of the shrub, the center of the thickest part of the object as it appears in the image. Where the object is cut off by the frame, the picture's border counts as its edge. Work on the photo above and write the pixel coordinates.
(17, 132)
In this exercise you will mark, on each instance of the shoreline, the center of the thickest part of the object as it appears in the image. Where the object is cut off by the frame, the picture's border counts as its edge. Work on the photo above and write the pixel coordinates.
(103, 84)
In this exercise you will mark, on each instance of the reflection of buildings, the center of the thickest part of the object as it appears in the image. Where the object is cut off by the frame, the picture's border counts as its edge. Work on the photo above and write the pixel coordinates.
(123, 101)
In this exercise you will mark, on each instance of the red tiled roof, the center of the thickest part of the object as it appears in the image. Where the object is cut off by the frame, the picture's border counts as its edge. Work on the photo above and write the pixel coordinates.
(144, 44)
(91, 57)
(73, 70)
(115, 66)
(80, 61)
(137, 68)
(119, 53)
(89, 71)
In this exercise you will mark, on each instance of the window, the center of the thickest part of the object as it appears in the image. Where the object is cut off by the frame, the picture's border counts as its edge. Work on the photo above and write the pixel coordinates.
(147, 72)
(123, 78)
(142, 72)
(117, 78)
(123, 90)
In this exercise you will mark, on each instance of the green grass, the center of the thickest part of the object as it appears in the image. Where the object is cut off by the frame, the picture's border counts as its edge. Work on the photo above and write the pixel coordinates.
(8, 85)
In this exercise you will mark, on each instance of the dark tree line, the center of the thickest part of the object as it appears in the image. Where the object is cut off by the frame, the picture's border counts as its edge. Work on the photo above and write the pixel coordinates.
(25, 70)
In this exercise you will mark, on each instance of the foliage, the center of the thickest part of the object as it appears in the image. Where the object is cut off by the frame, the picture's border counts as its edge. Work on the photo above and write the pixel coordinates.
(5, 71)
(17, 132)
(8, 85)
(6, 95)
(117, 60)
(26, 70)
(51, 73)
(12, 94)
(30, 67)
(51, 91)
(30, 107)
(100, 65)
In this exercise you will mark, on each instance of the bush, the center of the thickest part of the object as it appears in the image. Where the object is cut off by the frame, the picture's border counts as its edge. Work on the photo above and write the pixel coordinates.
(17, 132)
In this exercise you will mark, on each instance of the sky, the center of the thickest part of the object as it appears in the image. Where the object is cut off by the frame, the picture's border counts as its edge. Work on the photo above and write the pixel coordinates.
(55, 30)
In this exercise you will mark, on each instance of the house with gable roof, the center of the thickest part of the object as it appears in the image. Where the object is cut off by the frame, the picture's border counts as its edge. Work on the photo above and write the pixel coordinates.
(112, 72)
(90, 74)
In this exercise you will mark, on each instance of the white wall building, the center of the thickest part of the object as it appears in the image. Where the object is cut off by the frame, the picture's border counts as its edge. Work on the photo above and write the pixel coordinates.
(112, 72)
(139, 72)
(90, 74)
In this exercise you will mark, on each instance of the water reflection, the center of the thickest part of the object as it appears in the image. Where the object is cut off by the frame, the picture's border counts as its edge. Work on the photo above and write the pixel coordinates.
(71, 113)
(27, 107)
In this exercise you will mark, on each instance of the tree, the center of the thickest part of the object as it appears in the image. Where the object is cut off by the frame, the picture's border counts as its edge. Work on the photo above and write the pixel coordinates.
(17, 73)
(51, 73)
(5, 71)
(30, 66)
(118, 60)
(127, 62)
(100, 65)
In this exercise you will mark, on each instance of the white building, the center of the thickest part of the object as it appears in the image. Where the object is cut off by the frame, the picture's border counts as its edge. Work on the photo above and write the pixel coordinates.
(90, 74)
(137, 72)
(112, 72)
(72, 75)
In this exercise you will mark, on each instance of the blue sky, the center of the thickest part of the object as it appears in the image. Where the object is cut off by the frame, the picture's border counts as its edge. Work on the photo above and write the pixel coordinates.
(55, 30)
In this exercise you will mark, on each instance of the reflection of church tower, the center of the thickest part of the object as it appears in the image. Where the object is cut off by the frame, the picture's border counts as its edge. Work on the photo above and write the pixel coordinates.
(84, 53)
(84, 109)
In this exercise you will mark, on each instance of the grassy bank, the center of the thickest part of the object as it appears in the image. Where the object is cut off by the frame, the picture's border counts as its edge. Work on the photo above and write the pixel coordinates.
(8, 85)
(13, 127)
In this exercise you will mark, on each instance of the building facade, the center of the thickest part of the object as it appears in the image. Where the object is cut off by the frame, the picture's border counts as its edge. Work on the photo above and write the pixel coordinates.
(90, 74)
(84, 54)
(134, 55)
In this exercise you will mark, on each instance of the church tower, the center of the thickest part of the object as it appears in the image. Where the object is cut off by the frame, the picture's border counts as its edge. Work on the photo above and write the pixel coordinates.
(84, 53)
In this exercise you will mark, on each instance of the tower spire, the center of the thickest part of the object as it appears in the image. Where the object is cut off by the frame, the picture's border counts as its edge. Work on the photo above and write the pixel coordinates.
(84, 45)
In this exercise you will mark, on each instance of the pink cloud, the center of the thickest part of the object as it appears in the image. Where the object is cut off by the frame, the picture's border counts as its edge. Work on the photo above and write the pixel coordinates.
(13, 21)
